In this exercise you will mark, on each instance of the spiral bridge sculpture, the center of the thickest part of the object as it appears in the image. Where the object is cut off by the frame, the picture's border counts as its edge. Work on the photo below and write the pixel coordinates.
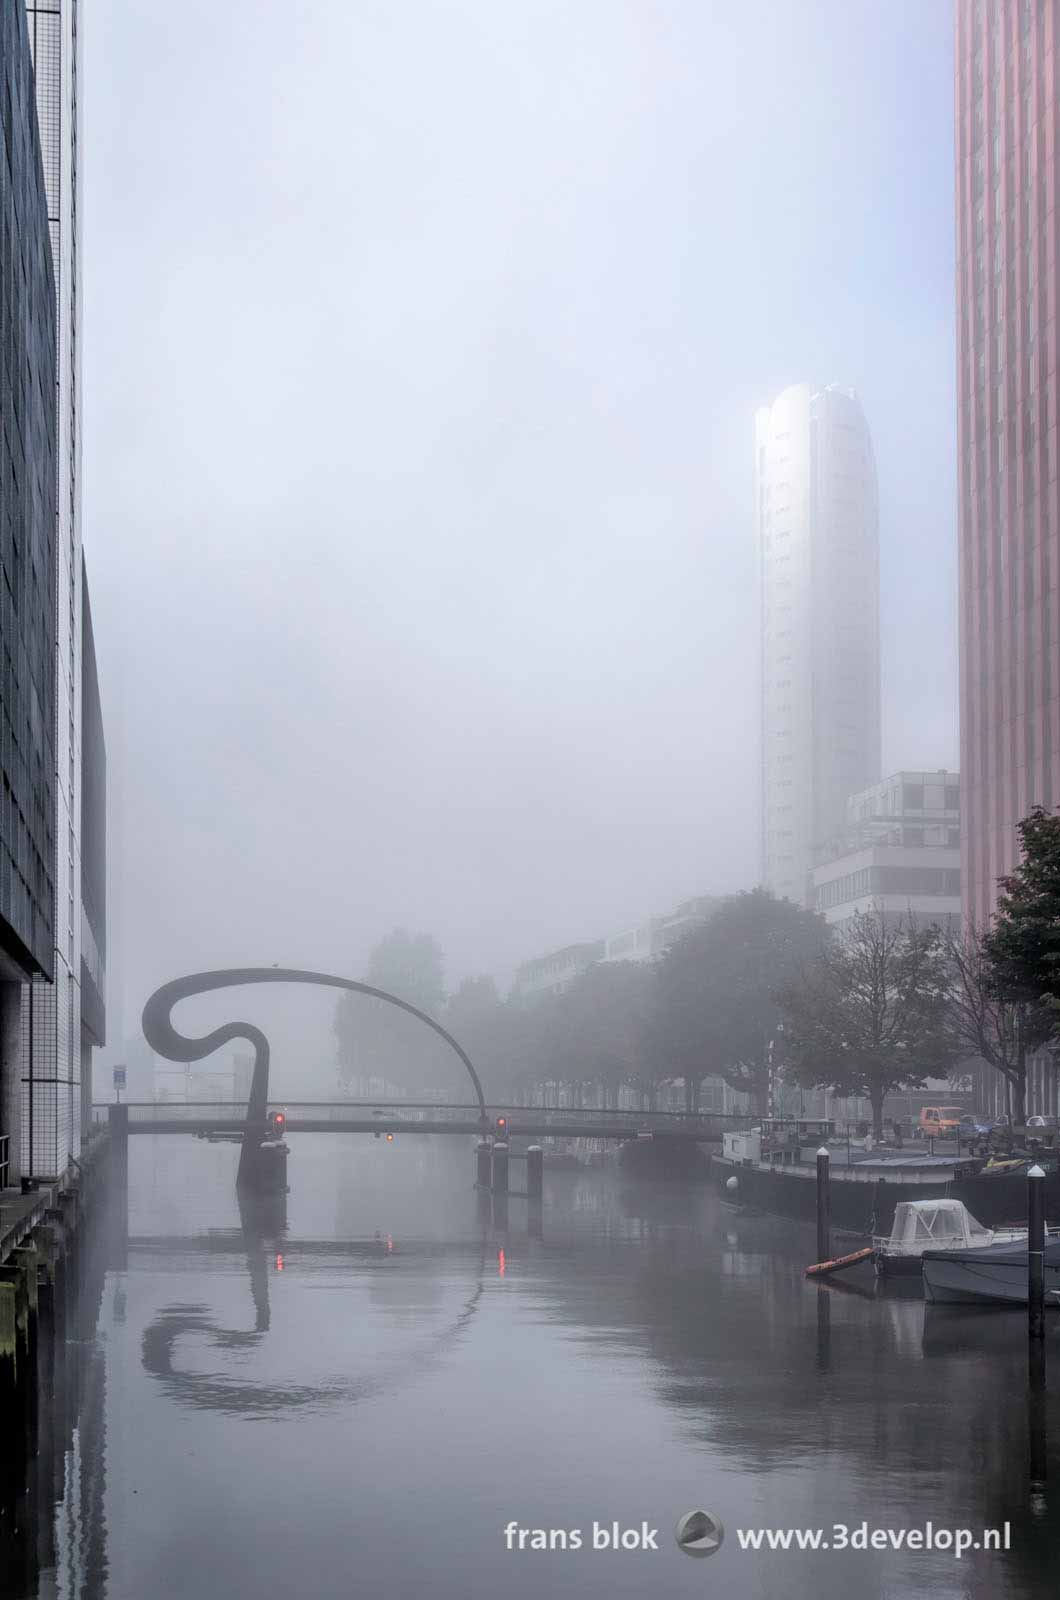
(163, 1037)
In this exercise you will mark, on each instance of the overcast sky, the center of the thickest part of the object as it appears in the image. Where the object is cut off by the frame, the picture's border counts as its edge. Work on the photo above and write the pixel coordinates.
(422, 348)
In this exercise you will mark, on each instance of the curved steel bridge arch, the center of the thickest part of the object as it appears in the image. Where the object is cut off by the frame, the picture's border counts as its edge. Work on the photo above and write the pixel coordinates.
(162, 1036)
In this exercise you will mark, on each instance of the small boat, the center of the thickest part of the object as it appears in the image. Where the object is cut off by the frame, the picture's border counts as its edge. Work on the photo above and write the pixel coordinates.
(937, 1225)
(996, 1275)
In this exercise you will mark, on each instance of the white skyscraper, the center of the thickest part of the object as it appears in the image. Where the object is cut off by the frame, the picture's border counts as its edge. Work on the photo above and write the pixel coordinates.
(818, 542)
(51, 1021)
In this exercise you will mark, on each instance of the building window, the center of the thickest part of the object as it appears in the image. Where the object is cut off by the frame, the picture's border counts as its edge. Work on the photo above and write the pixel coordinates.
(912, 797)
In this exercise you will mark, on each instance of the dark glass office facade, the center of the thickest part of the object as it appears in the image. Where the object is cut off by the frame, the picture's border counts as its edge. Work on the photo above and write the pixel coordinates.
(28, 480)
(93, 838)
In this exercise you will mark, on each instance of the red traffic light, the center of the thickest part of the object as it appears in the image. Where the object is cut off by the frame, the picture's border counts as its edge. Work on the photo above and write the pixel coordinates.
(502, 1124)
(390, 1138)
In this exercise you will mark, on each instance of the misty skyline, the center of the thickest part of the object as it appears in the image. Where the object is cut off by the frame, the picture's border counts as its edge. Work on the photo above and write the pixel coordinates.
(422, 352)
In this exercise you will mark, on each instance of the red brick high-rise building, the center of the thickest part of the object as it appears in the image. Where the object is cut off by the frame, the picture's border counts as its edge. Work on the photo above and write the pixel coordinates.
(1008, 206)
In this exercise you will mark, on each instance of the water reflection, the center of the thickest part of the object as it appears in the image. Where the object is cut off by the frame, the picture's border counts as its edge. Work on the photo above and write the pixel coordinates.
(163, 1340)
(625, 1353)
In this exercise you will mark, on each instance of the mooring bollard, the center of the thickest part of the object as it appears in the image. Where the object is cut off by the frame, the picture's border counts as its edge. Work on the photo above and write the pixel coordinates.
(482, 1164)
(824, 1206)
(1036, 1253)
(535, 1172)
(500, 1169)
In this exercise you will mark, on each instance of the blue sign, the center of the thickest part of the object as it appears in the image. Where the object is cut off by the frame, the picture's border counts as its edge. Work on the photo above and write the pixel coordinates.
(119, 1077)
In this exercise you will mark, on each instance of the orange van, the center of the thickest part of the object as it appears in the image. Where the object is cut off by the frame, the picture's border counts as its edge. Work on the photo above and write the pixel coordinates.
(942, 1121)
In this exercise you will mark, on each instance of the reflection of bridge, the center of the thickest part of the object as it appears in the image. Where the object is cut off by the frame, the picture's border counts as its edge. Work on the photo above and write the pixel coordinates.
(348, 1116)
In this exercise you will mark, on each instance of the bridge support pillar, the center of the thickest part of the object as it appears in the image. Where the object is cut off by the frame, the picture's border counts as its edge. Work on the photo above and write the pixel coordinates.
(482, 1164)
(500, 1169)
(535, 1172)
(263, 1171)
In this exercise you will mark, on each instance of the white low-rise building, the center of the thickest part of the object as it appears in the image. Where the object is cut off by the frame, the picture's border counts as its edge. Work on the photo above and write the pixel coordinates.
(899, 852)
(556, 970)
(651, 938)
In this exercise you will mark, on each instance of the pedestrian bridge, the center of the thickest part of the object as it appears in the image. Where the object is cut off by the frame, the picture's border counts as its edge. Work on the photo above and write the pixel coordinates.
(419, 1117)
(261, 1159)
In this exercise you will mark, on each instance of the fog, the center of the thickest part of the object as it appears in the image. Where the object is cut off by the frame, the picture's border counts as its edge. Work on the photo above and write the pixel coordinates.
(423, 344)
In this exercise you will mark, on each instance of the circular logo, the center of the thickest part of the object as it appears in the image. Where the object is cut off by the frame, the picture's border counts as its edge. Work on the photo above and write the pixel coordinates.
(698, 1533)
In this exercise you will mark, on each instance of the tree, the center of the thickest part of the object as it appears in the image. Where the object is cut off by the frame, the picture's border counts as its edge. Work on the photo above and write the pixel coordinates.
(1024, 943)
(715, 1012)
(989, 1020)
(599, 1026)
(868, 1016)
(492, 1031)
(377, 1040)
(476, 997)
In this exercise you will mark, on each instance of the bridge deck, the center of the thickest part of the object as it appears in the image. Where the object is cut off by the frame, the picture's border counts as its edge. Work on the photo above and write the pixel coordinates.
(529, 1122)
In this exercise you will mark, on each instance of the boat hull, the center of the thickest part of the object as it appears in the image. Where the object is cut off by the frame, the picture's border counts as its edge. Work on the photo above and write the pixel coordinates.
(995, 1200)
(970, 1277)
(896, 1266)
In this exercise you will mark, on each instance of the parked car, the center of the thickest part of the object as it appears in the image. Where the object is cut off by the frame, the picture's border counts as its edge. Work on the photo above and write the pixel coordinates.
(1043, 1122)
(975, 1124)
(939, 1121)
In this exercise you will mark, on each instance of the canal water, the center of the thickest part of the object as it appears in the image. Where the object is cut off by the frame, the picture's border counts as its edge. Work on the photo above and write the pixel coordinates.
(358, 1398)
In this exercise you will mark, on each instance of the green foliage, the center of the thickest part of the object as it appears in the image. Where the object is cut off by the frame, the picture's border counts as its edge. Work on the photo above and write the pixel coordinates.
(869, 1015)
(715, 1011)
(1024, 943)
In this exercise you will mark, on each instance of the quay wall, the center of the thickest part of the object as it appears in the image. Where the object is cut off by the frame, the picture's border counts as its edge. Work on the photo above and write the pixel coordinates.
(53, 1258)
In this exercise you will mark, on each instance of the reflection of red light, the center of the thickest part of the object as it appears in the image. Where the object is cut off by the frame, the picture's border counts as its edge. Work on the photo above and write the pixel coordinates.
(500, 1263)
(389, 1245)
(279, 1263)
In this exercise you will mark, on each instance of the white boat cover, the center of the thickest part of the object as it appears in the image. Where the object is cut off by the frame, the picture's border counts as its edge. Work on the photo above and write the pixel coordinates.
(936, 1224)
